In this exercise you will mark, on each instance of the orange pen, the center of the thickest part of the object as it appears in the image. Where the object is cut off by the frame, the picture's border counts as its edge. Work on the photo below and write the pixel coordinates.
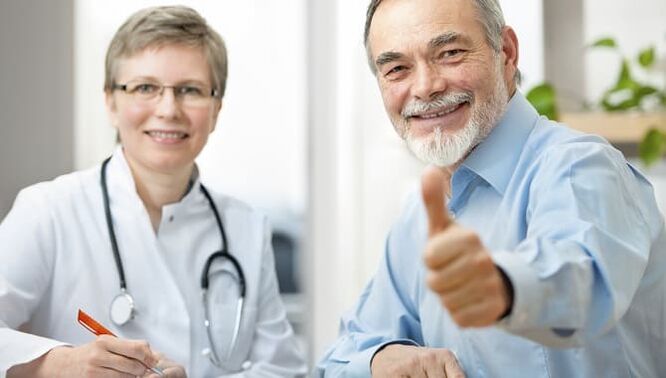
(93, 326)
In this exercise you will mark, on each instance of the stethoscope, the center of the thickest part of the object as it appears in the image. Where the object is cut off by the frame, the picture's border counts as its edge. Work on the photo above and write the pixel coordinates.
(122, 306)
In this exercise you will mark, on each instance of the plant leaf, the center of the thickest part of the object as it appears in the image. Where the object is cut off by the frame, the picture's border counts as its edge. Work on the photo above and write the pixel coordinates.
(619, 99)
(646, 57)
(626, 94)
(604, 42)
(645, 91)
(652, 147)
(542, 97)
(625, 80)
(610, 104)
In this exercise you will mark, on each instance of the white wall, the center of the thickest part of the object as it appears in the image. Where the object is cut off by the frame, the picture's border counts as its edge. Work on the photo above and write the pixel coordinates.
(257, 152)
(635, 25)
(526, 17)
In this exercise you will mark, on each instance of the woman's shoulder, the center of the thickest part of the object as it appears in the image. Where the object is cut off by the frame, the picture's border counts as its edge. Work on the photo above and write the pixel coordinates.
(69, 186)
(236, 209)
(52, 201)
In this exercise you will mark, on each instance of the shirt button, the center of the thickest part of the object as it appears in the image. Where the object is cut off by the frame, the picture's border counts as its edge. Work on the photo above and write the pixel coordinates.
(171, 218)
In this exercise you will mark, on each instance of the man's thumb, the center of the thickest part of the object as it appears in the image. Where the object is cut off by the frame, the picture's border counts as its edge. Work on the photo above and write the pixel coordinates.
(433, 184)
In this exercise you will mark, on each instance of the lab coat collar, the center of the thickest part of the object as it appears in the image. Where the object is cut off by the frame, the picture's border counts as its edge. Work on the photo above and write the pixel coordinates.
(120, 180)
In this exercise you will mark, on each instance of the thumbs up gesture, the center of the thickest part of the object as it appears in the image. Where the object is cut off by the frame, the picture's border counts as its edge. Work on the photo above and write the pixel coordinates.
(459, 267)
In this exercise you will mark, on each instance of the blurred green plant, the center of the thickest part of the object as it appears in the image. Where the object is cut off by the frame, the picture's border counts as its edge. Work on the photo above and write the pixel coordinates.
(626, 94)
(652, 147)
(543, 98)
(629, 93)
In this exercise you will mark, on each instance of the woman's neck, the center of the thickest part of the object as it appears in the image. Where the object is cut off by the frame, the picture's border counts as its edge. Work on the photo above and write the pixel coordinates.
(157, 189)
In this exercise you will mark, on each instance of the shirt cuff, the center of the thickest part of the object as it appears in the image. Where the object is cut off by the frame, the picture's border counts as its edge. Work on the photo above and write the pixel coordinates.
(379, 348)
(528, 292)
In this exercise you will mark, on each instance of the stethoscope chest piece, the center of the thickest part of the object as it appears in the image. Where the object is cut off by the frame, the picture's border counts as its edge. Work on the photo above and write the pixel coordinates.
(122, 308)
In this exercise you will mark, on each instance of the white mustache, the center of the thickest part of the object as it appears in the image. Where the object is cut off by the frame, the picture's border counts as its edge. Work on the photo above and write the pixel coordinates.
(417, 107)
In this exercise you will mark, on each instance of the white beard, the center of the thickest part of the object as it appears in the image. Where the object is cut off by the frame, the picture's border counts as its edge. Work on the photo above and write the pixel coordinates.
(446, 150)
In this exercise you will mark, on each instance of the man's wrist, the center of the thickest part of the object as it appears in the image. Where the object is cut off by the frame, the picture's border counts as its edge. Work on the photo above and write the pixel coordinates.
(388, 344)
(508, 293)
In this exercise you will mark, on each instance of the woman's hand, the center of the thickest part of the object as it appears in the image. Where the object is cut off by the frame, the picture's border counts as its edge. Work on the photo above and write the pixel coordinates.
(106, 356)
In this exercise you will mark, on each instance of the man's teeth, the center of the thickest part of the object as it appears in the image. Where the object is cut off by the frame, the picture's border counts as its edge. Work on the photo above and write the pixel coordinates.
(167, 135)
(439, 114)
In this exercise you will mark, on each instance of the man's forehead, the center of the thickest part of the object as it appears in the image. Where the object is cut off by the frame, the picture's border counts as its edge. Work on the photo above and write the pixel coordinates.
(421, 19)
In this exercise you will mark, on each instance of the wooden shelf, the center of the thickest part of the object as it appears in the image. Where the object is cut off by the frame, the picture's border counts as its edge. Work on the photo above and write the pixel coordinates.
(618, 128)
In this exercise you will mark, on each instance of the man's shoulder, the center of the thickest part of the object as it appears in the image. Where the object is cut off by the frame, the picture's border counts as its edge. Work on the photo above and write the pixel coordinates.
(554, 142)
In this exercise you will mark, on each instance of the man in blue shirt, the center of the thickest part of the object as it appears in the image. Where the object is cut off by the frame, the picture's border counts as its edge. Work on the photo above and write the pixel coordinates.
(534, 251)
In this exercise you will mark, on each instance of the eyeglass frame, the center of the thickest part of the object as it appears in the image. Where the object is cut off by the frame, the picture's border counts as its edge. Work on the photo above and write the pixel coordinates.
(214, 92)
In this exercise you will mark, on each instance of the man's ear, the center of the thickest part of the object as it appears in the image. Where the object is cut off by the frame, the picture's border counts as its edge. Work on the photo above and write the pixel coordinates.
(510, 50)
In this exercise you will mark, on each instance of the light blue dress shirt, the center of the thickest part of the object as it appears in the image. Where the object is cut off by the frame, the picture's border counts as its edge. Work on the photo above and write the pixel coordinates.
(577, 231)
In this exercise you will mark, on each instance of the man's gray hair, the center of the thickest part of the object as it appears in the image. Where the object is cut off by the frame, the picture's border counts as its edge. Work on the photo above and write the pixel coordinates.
(489, 13)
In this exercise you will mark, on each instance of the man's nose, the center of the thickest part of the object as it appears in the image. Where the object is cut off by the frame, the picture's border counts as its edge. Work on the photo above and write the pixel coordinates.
(428, 82)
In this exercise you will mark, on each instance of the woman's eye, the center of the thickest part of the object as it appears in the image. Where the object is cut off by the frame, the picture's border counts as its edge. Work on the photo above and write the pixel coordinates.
(145, 88)
(190, 90)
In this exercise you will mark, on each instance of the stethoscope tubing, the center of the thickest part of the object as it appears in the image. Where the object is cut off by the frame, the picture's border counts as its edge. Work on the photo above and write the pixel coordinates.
(109, 225)
(222, 253)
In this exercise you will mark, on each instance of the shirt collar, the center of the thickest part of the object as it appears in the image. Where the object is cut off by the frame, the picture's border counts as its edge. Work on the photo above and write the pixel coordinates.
(495, 158)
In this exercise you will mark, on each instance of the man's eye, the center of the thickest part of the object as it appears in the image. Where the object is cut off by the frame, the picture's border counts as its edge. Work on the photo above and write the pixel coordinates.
(394, 70)
(190, 90)
(450, 53)
(145, 88)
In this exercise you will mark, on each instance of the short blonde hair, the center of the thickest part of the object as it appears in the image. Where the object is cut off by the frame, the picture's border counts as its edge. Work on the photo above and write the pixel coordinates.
(167, 25)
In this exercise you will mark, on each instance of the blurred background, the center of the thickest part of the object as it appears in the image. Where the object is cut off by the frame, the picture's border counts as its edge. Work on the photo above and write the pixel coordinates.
(302, 134)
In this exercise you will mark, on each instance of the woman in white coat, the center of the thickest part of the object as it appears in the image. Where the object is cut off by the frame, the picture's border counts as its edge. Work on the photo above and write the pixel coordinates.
(165, 78)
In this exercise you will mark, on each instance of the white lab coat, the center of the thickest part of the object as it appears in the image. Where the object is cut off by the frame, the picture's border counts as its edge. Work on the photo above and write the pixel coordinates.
(56, 257)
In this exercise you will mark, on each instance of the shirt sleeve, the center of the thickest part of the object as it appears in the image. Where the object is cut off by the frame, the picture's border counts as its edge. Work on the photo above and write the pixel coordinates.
(275, 351)
(27, 241)
(587, 246)
(384, 314)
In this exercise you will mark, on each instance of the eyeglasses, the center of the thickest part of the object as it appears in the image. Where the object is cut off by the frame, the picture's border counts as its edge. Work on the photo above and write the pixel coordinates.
(191, 95)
